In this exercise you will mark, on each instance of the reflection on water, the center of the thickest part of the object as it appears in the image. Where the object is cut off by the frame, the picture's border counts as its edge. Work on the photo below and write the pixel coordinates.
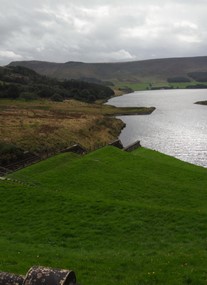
(177, 127)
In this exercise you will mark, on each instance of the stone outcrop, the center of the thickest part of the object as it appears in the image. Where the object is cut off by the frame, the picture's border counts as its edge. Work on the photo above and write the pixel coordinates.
(39, 275)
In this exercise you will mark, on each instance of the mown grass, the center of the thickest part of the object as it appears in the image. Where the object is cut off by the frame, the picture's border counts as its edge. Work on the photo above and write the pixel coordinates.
(113, 217)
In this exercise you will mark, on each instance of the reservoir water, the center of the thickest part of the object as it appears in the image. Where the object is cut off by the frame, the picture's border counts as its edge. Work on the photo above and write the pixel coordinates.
(177, 127)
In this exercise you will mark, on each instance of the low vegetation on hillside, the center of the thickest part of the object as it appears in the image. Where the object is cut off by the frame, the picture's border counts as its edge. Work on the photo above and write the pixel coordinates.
(44, 126)
(171, 84)
(111, 216)
(21, 82)
(44, 115)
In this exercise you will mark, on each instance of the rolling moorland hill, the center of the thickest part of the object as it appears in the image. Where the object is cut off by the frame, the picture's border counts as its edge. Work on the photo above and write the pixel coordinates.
(111, 216)
(155, 70)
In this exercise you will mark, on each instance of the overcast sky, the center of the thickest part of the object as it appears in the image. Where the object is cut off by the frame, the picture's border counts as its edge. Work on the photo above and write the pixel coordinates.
(101, 30)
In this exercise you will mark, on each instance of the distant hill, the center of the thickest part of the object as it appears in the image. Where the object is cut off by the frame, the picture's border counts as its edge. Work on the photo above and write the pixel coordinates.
(136, 71)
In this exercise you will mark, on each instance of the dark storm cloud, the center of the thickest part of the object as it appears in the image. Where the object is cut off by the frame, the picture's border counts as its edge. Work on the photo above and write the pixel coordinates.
(95, 31)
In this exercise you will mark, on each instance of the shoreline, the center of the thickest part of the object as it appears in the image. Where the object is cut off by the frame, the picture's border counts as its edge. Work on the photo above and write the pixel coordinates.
(201, 103)
(126, 111)
(140, 112)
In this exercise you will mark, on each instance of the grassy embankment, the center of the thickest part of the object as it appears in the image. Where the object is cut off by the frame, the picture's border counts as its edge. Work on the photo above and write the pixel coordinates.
(111, 216)
(147, 85)
(47, 126)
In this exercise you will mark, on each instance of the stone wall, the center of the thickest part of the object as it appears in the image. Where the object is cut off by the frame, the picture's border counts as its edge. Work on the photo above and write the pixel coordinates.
(133, 146)
(116, 143)
(76, 148)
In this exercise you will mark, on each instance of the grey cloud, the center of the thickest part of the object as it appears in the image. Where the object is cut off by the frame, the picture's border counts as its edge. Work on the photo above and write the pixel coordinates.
(101, 30)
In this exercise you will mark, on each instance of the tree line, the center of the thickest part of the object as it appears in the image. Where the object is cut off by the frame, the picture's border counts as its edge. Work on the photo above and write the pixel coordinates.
(17, 82)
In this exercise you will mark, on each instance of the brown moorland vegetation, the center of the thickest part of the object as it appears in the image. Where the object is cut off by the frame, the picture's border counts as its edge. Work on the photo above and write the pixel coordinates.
(44, 126)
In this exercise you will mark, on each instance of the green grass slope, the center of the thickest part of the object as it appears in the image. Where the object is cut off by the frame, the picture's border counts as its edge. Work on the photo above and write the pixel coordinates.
(111, 216)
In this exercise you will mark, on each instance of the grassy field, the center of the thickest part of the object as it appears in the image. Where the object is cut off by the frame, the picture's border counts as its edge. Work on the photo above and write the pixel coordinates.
(111, 216)
(138, 86)
(45, 126)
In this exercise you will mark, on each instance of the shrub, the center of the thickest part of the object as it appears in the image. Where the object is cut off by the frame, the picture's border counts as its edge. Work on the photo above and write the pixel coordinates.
(28, 96)
(9, 153)
(13, 92)
(57, 97)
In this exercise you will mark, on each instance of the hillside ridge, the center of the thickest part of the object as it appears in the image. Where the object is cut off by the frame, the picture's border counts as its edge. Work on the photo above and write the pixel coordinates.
(141, 71)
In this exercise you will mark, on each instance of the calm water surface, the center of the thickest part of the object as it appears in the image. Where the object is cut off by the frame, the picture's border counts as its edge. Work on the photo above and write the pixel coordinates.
(177, 127)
